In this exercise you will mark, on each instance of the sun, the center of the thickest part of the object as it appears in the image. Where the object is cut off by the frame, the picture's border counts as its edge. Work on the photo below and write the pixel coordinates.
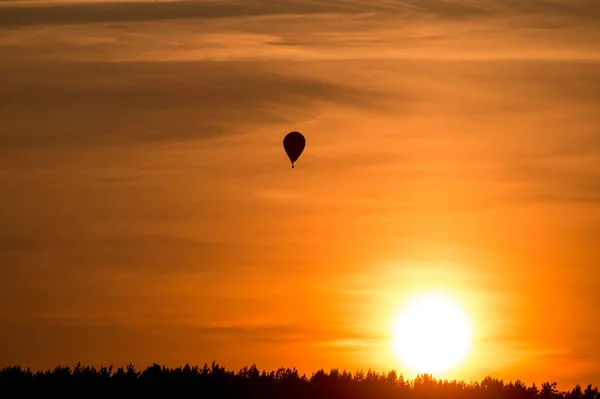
(431, 334)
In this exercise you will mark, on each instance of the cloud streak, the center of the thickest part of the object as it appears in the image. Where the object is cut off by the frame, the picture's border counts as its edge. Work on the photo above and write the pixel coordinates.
(18, 14)
(128, 11)
(261, 30)
(139, 103)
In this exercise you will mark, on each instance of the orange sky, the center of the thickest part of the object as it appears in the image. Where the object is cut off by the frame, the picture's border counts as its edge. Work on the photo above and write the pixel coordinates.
(148, 212)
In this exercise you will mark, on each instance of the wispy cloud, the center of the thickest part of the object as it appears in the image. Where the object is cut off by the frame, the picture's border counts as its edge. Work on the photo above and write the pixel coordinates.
(139, 103)
(47, 12)
(226, 30)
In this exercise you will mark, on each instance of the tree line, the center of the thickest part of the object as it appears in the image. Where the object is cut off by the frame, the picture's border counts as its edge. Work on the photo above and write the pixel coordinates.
(215, 381)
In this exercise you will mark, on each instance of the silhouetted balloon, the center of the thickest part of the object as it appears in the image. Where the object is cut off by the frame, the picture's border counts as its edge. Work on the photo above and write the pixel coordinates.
(294, 143)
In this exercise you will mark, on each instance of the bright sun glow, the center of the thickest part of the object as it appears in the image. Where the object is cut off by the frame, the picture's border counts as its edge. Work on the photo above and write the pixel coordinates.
(431, 334)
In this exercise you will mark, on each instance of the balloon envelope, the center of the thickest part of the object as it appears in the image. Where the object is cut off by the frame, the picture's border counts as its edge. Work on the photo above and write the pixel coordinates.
(294, 143)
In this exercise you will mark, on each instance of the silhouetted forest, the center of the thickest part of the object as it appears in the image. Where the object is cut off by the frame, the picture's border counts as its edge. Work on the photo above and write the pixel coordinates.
(215, 381)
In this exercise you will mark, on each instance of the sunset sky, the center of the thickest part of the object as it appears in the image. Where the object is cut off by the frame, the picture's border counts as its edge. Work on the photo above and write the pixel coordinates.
(148, 212)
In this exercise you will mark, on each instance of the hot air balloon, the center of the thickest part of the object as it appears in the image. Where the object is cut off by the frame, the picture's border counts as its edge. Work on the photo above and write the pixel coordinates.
(294, 143)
